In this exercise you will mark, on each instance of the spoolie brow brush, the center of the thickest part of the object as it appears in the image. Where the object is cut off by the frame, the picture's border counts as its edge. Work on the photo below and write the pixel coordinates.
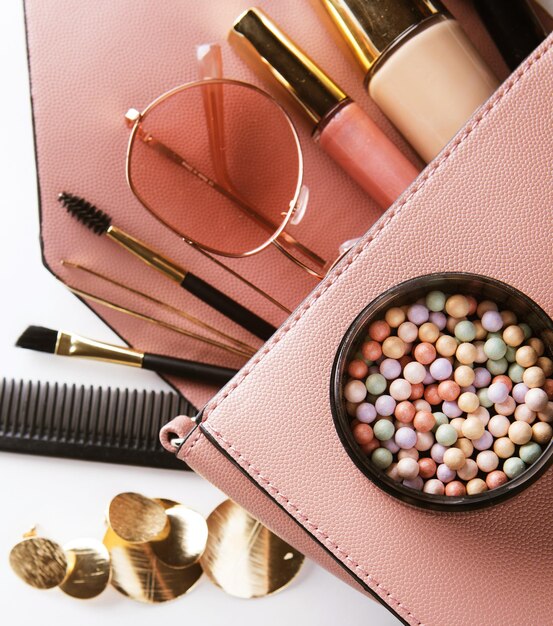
(51, 341)
(100, 223)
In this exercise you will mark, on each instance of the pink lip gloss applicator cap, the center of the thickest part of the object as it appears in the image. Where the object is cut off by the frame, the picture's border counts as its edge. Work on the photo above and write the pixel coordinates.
(342, 129)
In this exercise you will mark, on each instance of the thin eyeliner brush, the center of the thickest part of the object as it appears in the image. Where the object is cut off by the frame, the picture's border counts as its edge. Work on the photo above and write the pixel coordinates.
(57, 342)
(100, 223)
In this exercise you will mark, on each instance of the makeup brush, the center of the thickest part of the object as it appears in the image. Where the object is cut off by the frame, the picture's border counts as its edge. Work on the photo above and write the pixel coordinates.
(100, 223)
(67, 344)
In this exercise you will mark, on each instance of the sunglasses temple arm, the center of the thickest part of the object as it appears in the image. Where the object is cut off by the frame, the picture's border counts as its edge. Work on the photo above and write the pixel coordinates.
(286, 238)
(164, 305)
(158, 322)
(295, 260)
(210, 65)
(229, 193)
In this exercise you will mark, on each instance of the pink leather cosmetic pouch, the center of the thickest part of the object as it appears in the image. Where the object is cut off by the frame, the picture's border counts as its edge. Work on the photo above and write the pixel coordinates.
(89, 63)
(268, 438)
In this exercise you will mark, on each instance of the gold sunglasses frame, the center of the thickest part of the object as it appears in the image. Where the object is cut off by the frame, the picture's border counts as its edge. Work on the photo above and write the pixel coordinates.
(138, 117)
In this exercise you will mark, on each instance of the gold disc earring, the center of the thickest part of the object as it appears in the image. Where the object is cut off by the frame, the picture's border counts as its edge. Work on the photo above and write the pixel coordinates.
(245, 558)
(137, 519)
(140, 575)
(88, 569)
(187, 538)
(39, 562)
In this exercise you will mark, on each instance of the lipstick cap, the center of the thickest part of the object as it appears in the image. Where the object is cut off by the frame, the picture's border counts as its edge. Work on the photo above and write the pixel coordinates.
(266, 47)
(371, 27)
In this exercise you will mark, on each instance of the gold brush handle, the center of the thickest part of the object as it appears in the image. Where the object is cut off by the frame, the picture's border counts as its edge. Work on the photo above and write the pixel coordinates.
(74, 345)
(149, 256)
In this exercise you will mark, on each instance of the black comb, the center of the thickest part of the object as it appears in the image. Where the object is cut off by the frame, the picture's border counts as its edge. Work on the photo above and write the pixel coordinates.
(91, 423)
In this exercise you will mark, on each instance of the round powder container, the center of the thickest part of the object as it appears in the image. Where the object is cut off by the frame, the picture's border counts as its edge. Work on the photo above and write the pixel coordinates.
(487, 361)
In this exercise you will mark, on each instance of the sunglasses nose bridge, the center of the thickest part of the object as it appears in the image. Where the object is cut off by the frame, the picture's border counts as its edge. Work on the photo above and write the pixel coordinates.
(300, 207)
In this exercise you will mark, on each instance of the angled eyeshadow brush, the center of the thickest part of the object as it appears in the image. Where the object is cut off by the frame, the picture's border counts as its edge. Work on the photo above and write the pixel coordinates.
(100, 223)
(57, 342)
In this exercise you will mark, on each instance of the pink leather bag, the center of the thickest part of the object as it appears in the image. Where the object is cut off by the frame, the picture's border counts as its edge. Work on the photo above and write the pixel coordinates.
(268, 438)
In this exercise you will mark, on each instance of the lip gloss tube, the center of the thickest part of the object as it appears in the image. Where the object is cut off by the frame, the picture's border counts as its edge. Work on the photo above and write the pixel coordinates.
(342, 129)
(420, 67)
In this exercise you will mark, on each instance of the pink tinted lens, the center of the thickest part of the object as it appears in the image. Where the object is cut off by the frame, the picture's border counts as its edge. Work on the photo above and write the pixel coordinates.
(217, 162)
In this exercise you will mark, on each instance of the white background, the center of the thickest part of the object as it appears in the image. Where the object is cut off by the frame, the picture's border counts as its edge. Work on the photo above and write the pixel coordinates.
(67, 499)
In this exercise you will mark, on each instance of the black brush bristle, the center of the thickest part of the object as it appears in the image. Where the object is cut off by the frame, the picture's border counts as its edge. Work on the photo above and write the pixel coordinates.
(38, 338)
(85, 212)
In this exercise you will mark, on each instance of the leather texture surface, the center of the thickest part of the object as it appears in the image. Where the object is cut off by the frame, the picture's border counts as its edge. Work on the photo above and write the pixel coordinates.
(483, 206)
(89, 63)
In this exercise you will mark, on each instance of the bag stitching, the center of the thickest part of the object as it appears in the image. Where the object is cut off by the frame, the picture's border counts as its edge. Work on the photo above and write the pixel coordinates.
(197, 438)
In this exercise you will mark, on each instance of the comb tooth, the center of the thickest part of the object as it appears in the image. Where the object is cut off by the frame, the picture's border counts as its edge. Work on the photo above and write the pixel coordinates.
(76, 400)
(100, 421)
(146, 421)
(13, 408)
(111, 418)
(76, 414)
(111, 415)
(15, 403)
(153, 425)
(35, 416)
(65, 414)
(19, 408)
(49, 417)
(143, 411)
(164, 402)
(92, 417)
(185, 407)
(70, 415)
(139, 421)
(43, 407)
(121, 417)
(113, 422)
(133, 435)
(146, 443)
(27, 401)
(60, 415)
(91, 408)
(124, 419)
(172, 406)
(7, 390)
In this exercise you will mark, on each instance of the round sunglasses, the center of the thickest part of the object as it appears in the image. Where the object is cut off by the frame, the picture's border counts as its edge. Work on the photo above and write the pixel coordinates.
(219, 162)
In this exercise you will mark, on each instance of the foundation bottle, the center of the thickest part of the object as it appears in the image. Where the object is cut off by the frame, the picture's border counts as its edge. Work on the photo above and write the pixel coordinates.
(420, 68)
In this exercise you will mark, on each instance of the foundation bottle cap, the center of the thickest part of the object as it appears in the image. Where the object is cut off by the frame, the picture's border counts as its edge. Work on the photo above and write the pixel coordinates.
(371, 27)
(268, 49)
